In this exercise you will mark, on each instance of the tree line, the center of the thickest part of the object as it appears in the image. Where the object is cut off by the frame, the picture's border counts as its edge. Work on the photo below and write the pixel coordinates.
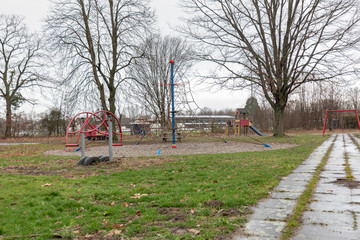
(102, 54)
(305, 111)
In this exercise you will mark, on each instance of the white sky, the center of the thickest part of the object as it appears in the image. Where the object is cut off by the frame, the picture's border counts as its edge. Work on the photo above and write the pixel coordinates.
(168, 12)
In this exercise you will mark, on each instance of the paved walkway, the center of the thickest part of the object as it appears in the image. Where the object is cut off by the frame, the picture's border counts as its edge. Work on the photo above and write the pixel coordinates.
(334, 212)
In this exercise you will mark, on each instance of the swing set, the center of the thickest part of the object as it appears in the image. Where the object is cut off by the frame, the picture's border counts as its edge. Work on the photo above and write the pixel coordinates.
(349, 110)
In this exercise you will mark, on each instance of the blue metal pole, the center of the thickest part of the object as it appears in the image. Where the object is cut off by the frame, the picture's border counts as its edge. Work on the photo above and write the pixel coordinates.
(172, 103)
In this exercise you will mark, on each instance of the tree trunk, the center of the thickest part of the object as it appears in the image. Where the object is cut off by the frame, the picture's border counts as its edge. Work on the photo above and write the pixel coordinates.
(8, 123)
(279, 127)
(112, 109)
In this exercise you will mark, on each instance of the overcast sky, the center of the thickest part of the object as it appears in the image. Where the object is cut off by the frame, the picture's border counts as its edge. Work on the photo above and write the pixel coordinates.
(168, 13)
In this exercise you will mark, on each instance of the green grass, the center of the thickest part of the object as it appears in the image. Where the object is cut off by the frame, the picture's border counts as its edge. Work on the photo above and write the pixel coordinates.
(158, 202)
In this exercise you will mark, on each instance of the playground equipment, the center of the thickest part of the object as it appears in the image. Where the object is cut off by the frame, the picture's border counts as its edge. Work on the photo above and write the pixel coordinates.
(104, 121)
(95, 135)
(349, 110)
(172, 103)
(242, 124)
(90, 129)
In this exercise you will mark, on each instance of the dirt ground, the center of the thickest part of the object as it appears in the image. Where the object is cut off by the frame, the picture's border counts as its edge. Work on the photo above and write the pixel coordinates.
(166, 149)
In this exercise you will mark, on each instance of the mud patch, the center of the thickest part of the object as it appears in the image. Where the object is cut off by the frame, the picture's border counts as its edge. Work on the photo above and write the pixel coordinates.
(173, 214)
(347, 183)
(179, 231)
(213, 203)
(231, 212)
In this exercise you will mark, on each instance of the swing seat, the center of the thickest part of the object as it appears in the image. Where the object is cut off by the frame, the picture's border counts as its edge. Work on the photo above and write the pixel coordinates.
(71, 145)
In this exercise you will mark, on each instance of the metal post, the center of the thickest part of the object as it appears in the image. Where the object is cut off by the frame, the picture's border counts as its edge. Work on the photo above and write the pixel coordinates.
(110, 139)
(173, 104)
(357, 118)
(325, 121)
(83, 140)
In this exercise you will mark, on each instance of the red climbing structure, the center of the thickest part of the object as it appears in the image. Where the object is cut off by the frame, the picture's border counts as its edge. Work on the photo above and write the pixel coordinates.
(99, 130)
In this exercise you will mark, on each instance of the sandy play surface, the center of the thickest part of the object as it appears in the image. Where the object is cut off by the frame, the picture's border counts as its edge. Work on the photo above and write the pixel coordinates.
(166, 149)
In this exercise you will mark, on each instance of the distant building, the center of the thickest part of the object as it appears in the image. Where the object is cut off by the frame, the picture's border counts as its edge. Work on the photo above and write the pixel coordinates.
(202, 122)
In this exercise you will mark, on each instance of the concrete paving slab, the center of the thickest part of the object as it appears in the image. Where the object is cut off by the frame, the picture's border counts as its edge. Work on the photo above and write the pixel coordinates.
(291, 186)
(318, 232)
(334, 168)
(355, 192)
(255, 238)
(271, 214)
(332, 188)
(332, 197)
(355, 199)
(330, 207)
(285, 195)
(299, 177)
(328, 180)
(305, 169)
(277, 203)
(264, 228)
(336, 174)
(356, 209)
(328, 218)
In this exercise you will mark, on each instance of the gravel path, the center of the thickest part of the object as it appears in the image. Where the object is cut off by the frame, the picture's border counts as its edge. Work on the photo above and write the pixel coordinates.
(165, 149)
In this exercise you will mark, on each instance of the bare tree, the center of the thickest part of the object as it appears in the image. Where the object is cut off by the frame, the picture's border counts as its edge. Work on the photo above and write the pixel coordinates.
(354, 97)
(97, 41)
(19, 63)
(277, 45)
(152, 74)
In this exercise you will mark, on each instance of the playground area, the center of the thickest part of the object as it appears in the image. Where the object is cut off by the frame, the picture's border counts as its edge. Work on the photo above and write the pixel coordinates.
(183, 148)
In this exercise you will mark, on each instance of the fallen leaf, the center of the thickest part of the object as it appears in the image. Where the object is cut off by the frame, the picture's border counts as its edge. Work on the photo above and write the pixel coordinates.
(194, 231)
(113, 232)
(139, 195)
(105, 222)
(125, 204)
(77, 231)
(13, 203)
(138, 212)
(215, 181)
(112, 203)
(118, 226)
(192, 210)
(46, 185)
(58, 222)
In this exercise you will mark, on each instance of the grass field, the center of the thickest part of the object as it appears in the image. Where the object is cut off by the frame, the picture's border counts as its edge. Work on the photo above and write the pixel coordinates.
(203, 196)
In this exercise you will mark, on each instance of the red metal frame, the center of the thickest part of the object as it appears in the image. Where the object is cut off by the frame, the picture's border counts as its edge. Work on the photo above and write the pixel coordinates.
(86, 125)
(349, 110)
